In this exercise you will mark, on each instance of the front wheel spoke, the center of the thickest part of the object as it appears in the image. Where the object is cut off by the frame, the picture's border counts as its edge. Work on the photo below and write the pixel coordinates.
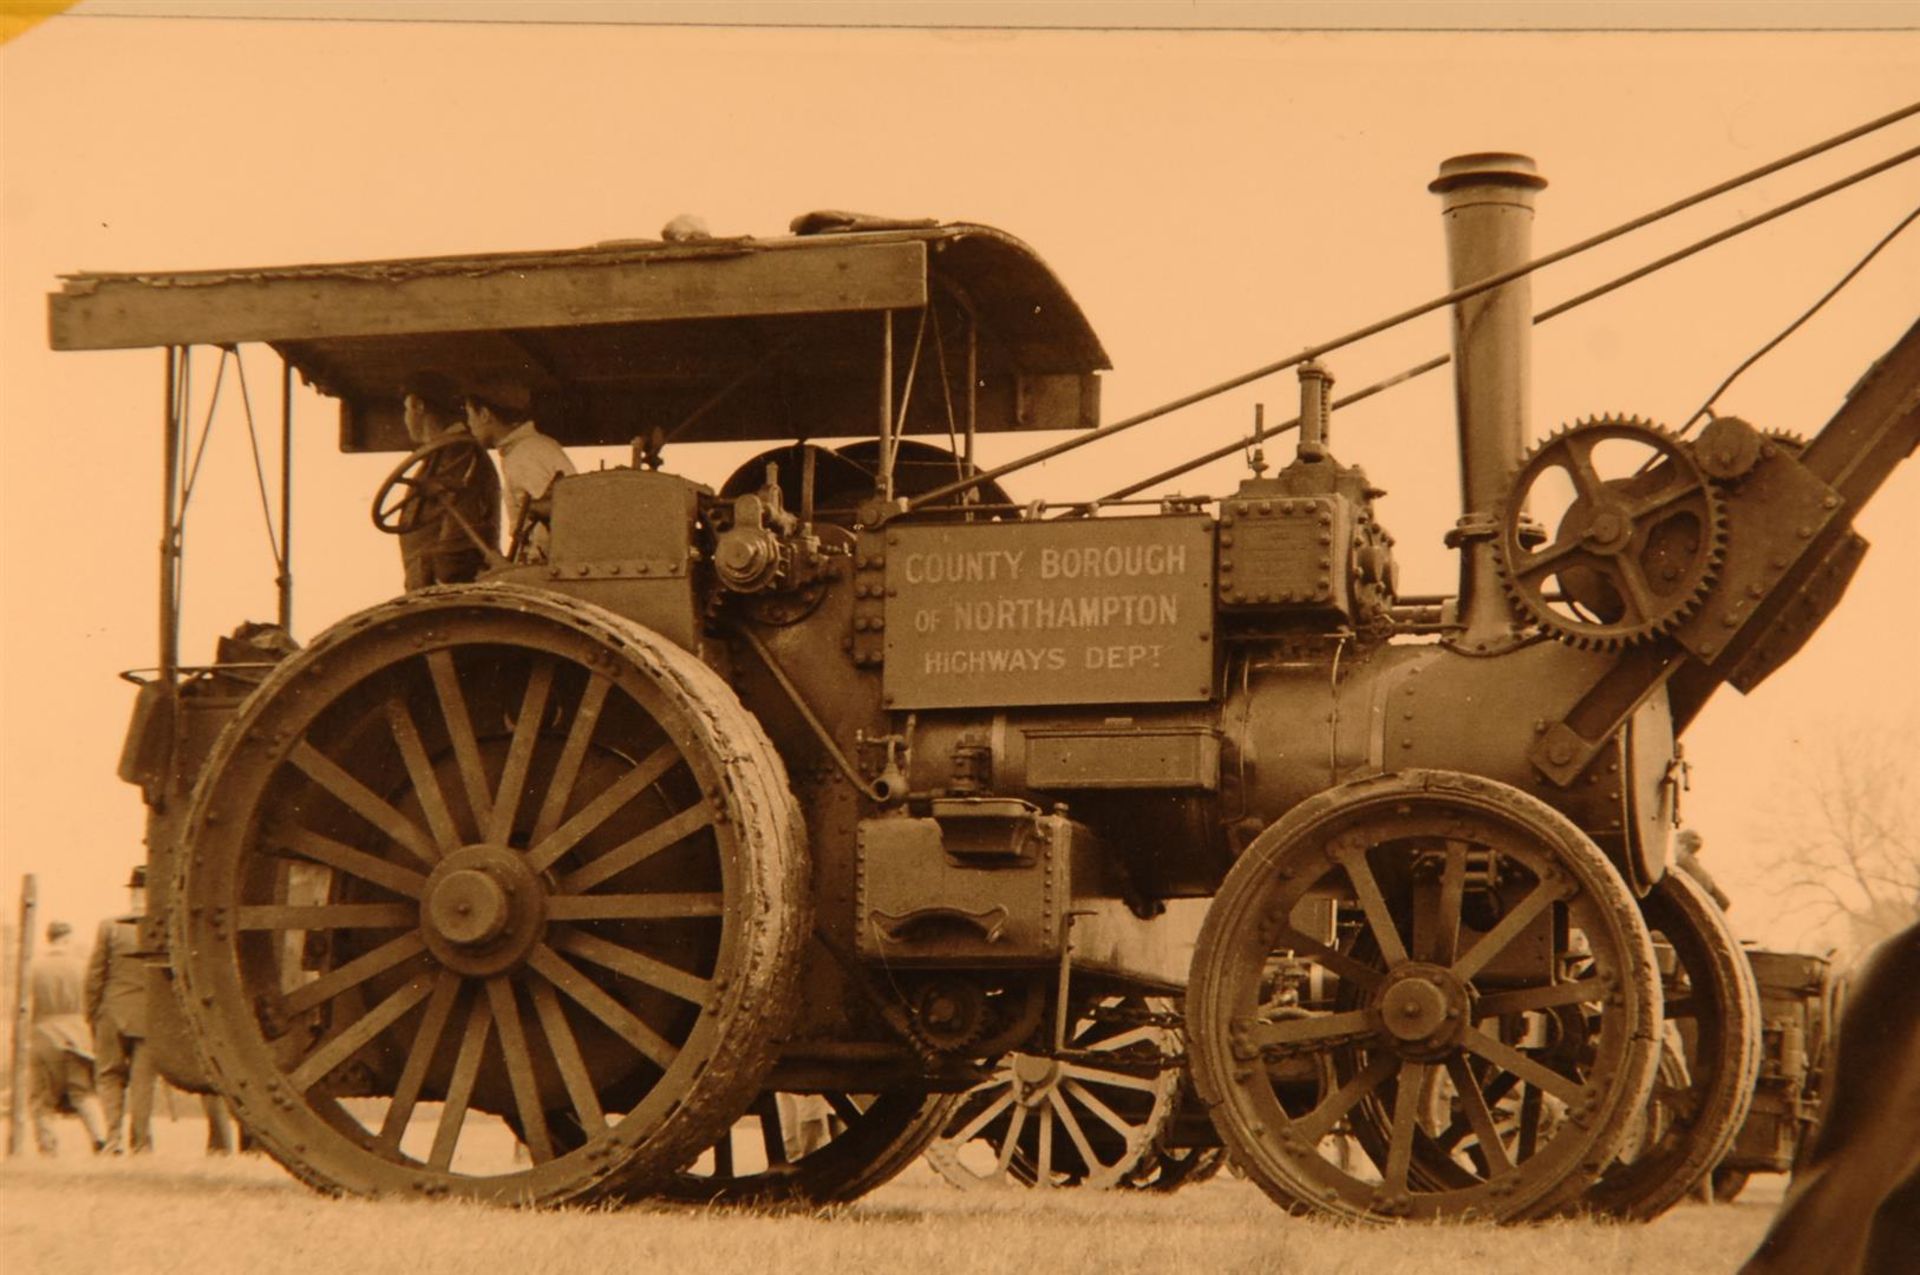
(1004, 1161)
(972, 1128)
(363, 801)
(426, 1043)
(329, 853)
(634, 907)
(548, 850)
(328, 916)
(1509, 927)
(420, 773)
(1551, 996)
(1473, 1103)
(1111, 1079)
(519, 1060)
(1319, 1122)
(635, 965)
(1105, 1114)
(1406, 1110)
(845, 1107)
(513, 775)
(566, 770)
(1075, 1134)
(1535, 1073)
(1684, 1006)
(1367, 888)
(638, 849)
(773, 1137)
(355, 972)
(345, 1044)
(466, 1068)
(1349, 970)
(1043, 1159)
(566, 1056)
(1296, 1031)
(623, 1022)
(1453, 888)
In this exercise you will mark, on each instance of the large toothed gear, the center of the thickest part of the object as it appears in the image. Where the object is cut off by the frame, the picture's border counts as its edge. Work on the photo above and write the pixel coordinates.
(1638, 533)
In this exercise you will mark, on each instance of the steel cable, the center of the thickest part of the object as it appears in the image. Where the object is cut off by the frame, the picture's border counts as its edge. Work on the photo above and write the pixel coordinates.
(1461, 294)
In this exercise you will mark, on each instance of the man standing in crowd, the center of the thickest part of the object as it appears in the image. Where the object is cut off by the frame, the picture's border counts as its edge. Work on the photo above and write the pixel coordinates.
(500, 414)
(117, 1004)
(458, 487)
(62, 1053)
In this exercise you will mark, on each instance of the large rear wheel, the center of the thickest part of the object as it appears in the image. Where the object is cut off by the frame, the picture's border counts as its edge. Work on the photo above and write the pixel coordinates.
(483, 867)
(1468, 951)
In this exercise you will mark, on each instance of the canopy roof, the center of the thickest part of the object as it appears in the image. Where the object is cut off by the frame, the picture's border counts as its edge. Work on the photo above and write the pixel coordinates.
(707, 339)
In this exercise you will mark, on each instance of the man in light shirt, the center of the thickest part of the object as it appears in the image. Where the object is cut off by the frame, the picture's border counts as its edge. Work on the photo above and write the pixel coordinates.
(500, 415)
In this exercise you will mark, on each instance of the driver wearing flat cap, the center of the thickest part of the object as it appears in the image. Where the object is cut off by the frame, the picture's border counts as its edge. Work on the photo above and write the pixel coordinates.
(458, 523)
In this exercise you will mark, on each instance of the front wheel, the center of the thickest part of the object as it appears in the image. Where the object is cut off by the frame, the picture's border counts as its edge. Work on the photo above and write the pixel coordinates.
(1447, 969)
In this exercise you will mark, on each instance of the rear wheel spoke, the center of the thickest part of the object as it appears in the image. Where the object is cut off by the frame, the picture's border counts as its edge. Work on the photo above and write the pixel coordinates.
(466, 1068)
(466, 748)
(566, 770)
(635, 965)
(589, 997)
(356, 1036)
(362, 800)
(355, 972)
(426, 1042)
(329, 853)
(526, 731)
(519, 1060)
(603, 807)
(420, 773)
(565, 1048)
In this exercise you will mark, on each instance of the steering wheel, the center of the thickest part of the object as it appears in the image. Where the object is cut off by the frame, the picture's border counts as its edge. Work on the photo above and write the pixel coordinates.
(417, 486)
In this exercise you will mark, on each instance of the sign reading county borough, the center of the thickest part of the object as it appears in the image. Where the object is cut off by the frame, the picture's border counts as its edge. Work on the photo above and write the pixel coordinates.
(1088, 611)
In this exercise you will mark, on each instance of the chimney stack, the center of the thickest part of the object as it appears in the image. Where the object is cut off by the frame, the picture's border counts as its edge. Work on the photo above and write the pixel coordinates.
(1487, 202)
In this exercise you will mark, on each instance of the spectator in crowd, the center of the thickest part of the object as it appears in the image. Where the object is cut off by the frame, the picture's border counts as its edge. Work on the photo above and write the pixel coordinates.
(116, 992)
(61, 1053)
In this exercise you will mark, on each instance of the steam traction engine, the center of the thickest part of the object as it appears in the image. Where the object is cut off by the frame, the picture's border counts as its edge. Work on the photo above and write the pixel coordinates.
(853, 776)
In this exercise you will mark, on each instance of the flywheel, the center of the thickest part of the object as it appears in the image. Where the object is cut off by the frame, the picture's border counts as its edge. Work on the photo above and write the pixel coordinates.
(1638, 534)
(1478, 1017)
(494, 894)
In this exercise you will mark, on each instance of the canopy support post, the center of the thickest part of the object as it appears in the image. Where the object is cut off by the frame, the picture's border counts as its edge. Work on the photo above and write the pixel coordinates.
(285, 579)
(169, 528)
(886, 407)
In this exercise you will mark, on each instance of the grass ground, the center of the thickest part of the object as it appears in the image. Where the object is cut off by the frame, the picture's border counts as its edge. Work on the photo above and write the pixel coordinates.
(178, 1211)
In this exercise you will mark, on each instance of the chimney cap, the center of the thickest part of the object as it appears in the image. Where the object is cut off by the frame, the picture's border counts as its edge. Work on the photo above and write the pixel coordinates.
(1487, 168)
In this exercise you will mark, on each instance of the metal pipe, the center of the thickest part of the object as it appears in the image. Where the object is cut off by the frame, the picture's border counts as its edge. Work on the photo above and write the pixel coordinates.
(1487, 202)
(169, 533)
(285, 582)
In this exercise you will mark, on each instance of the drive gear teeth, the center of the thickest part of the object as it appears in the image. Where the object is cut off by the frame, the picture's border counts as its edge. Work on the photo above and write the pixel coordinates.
(1609, 541)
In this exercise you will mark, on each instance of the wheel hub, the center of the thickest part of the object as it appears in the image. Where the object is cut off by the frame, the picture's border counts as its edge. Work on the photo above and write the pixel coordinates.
(1424, 1009)
(1034, 1077)
(482, 910)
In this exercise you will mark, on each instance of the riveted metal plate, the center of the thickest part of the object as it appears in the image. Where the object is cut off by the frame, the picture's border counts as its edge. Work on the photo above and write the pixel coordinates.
(1097, 611)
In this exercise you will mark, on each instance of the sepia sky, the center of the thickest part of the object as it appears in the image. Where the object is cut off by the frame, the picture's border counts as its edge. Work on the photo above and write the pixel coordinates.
(1213, 200)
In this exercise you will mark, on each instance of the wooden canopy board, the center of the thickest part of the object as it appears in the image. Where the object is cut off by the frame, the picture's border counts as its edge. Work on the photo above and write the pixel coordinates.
(620, 339)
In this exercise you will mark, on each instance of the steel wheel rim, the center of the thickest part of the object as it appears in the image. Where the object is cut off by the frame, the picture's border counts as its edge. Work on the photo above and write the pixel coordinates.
(538, 997)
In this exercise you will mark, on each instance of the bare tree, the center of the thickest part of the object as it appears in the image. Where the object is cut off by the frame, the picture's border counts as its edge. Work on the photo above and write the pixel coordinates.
(1842, 845)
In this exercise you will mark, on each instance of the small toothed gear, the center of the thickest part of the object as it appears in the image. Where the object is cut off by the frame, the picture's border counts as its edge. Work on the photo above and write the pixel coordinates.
(1631, 555)
(948, 1013)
